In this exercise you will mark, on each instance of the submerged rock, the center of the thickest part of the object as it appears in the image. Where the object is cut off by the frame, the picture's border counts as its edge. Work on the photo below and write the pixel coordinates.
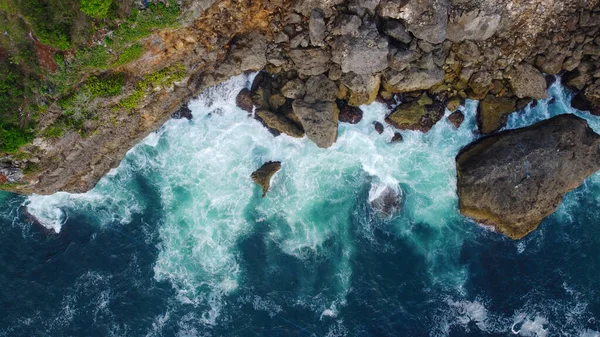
(514, 179)
(263, 175)
(385, 200)
(183, 112)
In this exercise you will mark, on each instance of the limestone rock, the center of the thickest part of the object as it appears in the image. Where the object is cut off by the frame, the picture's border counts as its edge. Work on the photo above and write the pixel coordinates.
(347, 24)
(474, 25)
(320, 121)
(279, 123)
(419, 115)
(492, 113)
(316, 28)
(526, 81)
(364, 54)
(293, 89)
(310, 62)
(514, 179)
(362, 89)
(427, 20)
(412, 80)
(263, 175)
(320, 88)
(396, 30)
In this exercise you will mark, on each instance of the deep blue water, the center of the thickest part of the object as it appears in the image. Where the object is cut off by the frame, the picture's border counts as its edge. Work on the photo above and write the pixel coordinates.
(178, 242)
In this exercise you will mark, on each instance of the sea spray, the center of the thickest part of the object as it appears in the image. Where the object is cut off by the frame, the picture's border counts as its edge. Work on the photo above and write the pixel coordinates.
(315, 219)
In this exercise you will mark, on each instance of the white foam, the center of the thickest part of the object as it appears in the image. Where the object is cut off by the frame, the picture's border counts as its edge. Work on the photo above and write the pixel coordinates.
(524, 325)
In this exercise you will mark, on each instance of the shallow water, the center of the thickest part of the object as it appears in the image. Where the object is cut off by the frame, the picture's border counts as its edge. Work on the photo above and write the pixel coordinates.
(177, 241)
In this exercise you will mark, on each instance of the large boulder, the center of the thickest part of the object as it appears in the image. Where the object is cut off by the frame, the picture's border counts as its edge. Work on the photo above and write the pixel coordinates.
(474, 25)
(412, 79)
(514, 179)
(419, 115)
(263, 175)
(310, 62)
(528, 82)
(320, 88)
(427, 20)
(320, 121)
(362, 89)
(278, 124)
(363, 54)
(492, 113)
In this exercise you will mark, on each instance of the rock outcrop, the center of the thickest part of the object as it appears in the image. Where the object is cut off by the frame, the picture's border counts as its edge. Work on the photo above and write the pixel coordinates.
(514, 179)
(320, 121)
(263, 175)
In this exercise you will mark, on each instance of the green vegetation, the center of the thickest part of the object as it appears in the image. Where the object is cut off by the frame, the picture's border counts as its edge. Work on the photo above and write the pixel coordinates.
(130, 54)
(107, 87)
(95, 8)
(165, 77)
(81, 37)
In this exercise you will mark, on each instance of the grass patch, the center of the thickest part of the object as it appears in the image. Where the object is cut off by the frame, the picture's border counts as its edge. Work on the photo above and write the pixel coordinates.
(164, 78)
(95, 8)
(12, 137)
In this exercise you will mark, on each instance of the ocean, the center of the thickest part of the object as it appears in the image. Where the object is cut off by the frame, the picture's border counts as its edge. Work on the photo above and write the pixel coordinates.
(177, 241)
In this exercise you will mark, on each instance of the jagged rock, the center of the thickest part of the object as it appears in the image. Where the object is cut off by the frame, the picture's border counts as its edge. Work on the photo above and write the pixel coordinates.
(317, 30)
(310, 62)
(474, 25)
(3, 179)
(480, 83)
(492, 113)
(551, 64)
(362, 89)
(580, 77)
(363, 54)
(453, 103)
(244, 100)
(350, 114)
(305, 7)
(263, 175)
(385, 200)
(427, 20)
(412, 80)
(276, 101)
(185, 112)
(456, 118)
(279, 124)
(514, 179)
(368, 4)
(320, 121)
(419, 115)
(397, 137)
(526, 81)
(378, 127)
(468, 51)
(247, 52)
(294, 89)
(320, 88)
(347, 24)
(396, 30)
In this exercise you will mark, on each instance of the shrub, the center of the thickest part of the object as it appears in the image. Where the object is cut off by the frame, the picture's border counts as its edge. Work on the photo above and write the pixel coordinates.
(104, 87)
(95, 8)
(130, 54)
(12, 137)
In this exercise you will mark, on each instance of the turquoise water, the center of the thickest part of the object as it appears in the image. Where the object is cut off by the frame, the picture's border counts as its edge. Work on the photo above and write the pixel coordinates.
(178, 241)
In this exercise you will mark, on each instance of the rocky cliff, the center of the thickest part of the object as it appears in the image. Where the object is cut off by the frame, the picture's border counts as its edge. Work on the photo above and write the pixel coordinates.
(320, 60)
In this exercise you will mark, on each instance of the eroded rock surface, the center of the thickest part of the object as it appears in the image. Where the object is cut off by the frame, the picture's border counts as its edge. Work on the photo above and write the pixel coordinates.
(263, 175)
(514, 179)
